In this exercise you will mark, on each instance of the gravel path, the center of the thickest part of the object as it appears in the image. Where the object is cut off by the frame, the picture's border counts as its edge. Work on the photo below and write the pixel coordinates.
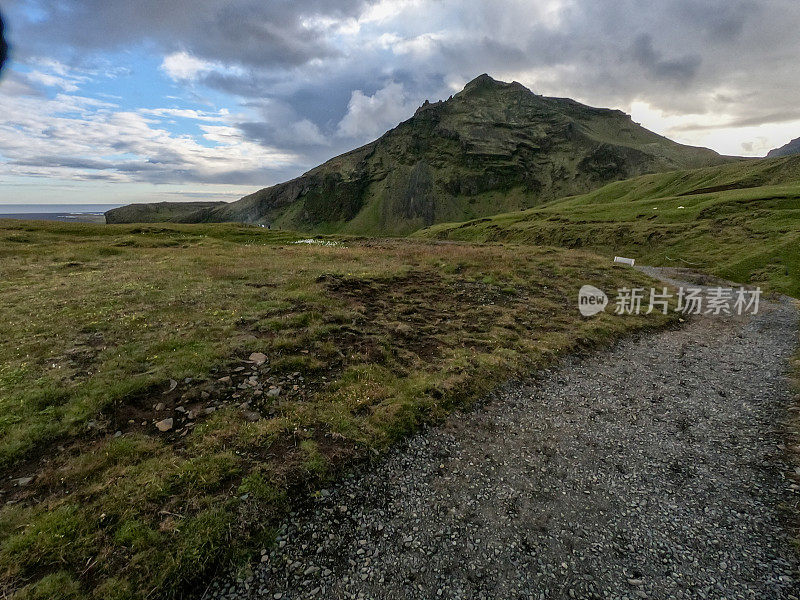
(652, 470)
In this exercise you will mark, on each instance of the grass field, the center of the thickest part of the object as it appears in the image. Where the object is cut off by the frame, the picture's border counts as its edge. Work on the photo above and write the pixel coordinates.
(113, 333)
(739, 221)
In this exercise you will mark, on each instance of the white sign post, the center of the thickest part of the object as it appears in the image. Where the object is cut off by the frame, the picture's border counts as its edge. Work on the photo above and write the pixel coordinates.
(625, 261)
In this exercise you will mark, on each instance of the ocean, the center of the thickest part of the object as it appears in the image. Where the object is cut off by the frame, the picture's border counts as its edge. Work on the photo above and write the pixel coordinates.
(76, 213)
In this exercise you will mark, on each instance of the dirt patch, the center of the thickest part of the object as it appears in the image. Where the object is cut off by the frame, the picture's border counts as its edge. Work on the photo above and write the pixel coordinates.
(415, 309)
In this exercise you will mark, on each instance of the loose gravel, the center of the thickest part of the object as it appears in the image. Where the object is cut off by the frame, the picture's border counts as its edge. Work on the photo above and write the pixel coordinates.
(651, 470)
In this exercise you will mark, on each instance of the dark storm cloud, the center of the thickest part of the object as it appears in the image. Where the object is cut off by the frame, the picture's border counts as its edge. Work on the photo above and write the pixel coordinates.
(680, 70)
(272, 33)
(721, 20)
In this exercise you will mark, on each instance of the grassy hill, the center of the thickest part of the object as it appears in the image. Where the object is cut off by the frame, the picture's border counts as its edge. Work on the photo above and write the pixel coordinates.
(740, 221)
(144, 446)
(491, 148)
(156, 212)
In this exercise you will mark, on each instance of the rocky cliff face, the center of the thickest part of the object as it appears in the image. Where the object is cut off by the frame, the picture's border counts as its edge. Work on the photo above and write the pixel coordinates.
(491, 148)
(789, 149)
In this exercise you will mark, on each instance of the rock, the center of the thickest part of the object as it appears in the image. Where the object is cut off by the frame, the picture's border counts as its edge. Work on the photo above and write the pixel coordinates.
(258, 358)
(165, 425)
(251, 415)
(274, 392)
(159, 407)
(225, 379)
(172, 385)
(22, 481)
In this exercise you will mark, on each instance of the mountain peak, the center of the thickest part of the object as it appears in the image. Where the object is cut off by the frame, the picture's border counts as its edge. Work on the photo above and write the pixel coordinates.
(486, 82)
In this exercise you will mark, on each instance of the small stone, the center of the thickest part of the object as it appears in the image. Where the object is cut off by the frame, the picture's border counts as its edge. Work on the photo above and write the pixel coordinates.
(165, 425)
(172, 385)
(159, 407)
(274, 392)
(22, 481)
(225, 379)
(258, 358)
(251, 415)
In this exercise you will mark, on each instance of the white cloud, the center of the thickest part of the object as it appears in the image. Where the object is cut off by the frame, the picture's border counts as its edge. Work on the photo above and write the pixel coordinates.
(183, 113)
(715, 130)
(49, 80)
(83, 139)
(304, 132)
(419, 45)
(182, 66)
(371, 116)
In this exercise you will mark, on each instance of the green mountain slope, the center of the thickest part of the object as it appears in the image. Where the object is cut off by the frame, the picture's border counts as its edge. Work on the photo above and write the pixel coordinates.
(739, 221)
(491, 148)
(156, 212)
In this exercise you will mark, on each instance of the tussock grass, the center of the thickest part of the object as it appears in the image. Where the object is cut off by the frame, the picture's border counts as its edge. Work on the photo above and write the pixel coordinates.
(388, 334)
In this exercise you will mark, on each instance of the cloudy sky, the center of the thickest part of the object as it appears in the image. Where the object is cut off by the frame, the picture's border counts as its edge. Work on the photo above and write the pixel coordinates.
(211, 99)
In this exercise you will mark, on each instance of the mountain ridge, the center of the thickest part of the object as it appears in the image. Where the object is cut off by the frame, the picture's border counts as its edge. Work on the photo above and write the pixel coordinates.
(490, 148)
(789, 149)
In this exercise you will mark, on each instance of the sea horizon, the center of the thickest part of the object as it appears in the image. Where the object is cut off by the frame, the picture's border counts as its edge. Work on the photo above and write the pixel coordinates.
(55, 207)
(77, 213)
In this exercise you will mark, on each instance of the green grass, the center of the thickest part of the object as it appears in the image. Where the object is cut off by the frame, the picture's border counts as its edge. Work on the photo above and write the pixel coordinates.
(388, 334)
(746, 228)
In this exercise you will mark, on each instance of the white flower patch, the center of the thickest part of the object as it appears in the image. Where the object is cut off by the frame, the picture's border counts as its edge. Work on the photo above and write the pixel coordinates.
(317, 242)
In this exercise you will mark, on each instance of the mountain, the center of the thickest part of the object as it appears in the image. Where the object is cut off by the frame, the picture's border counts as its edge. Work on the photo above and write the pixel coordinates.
(493, 147)
(740, 221)
(792, 147)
